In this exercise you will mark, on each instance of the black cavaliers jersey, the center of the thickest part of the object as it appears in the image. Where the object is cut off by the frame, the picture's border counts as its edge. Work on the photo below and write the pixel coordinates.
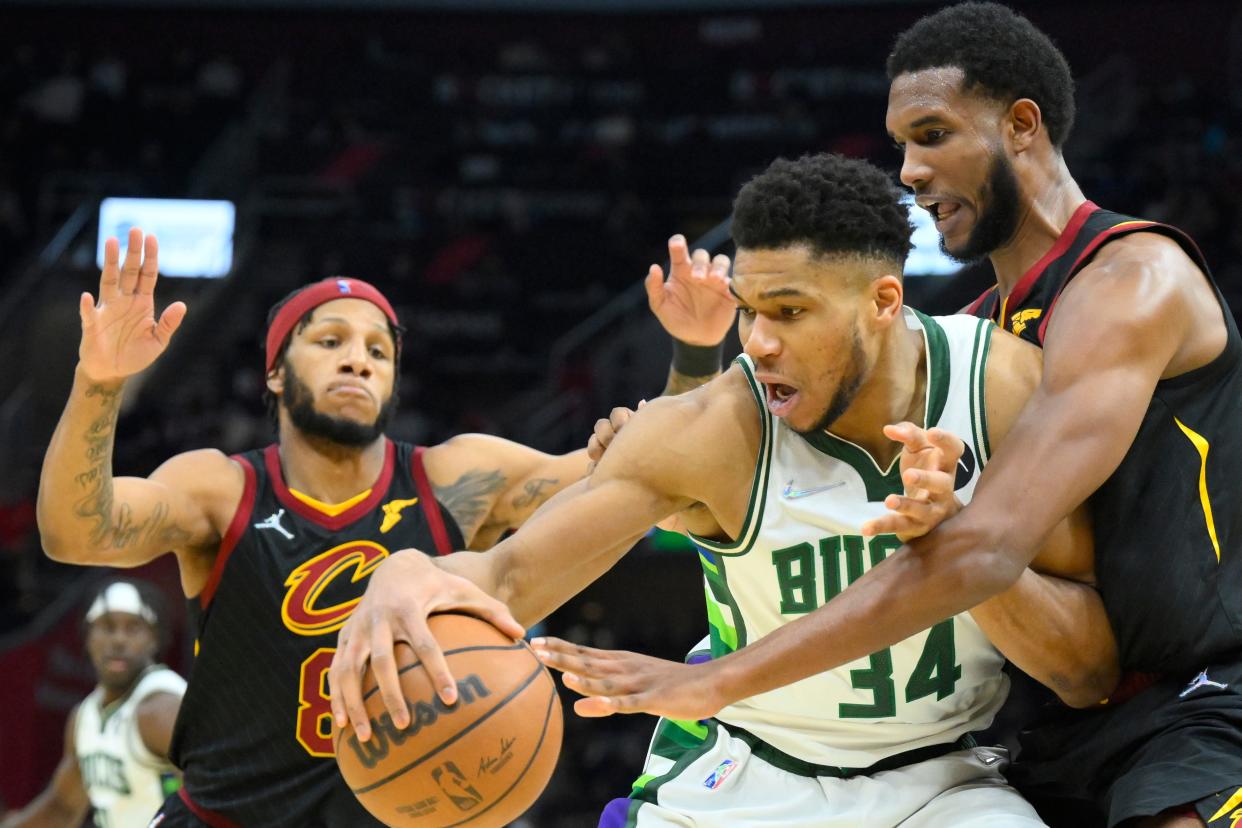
(252, 736)
(1167, 523)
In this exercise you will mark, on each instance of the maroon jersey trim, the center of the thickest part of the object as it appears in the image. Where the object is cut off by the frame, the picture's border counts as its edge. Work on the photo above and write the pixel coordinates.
(1063, 242)
(271, 458)
(210, 817)
(435, 521)
(237, 527)
(1123, 228)
(973, 308)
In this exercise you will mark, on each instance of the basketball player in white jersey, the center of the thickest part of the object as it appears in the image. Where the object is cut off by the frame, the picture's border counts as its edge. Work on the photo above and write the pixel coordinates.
(116, 743)
(784, 459)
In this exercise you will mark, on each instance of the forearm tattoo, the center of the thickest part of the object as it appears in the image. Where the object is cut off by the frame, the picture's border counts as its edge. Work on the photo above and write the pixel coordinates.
(114, 527)
(535, 492)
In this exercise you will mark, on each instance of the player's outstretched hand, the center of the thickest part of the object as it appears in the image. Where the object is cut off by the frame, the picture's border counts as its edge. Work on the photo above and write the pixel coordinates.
(614, 681)
(120, 335)
(929, 461)
(694, 304)
(405, 589)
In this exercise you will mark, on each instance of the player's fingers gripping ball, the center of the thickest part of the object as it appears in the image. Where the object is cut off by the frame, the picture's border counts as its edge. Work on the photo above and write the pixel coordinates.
(480, 762)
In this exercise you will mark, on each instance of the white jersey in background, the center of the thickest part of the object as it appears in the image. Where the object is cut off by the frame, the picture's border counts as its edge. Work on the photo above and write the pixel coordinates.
(126, 783)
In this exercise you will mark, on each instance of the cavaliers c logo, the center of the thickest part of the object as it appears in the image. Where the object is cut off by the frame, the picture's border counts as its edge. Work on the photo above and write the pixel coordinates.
(308, 581)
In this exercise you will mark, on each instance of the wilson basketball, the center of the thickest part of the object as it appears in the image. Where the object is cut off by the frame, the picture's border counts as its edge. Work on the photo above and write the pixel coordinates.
(480, 762)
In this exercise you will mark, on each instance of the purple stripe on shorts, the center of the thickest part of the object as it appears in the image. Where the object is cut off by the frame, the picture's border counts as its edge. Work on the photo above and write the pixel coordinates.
(615, 814)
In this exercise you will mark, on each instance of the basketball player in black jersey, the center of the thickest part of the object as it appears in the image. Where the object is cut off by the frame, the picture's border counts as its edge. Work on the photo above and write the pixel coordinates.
(1141, 391)
(274, 545)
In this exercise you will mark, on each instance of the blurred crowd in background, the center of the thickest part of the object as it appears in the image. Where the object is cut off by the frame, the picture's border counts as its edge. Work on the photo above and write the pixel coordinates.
(506, 179)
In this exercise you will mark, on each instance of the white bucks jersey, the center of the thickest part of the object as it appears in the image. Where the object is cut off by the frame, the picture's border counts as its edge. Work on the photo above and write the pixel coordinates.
(126, 783)
(800, 546)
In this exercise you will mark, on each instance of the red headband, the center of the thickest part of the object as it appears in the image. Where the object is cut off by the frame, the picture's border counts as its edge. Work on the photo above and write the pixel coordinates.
(312, 297)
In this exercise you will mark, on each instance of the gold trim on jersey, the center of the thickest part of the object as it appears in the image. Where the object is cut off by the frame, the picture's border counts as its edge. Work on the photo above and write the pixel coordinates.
(1201, 445)
(330, 509)
(1234, 800)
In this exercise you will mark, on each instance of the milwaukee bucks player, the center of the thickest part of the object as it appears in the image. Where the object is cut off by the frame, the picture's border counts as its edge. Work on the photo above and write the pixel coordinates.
(787, 455)
(115, 763)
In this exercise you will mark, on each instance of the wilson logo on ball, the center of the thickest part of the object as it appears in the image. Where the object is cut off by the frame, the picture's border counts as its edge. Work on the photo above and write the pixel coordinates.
(423, 714)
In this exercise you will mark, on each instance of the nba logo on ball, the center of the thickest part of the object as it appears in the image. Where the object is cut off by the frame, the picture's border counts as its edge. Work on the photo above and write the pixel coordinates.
(453, 782)
(719, 775)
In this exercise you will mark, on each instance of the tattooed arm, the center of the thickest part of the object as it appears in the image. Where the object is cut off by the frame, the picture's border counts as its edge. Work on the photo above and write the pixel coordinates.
(87, 517)
(491, 485)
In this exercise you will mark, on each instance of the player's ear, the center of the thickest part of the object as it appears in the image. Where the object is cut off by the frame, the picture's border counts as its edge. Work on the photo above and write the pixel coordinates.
(276, 378)
(1022, 124)
(885, 298)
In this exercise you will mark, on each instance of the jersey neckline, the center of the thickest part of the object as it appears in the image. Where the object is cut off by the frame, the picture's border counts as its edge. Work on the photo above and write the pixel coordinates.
(271, 459)
(936, 347)
(1028, 280)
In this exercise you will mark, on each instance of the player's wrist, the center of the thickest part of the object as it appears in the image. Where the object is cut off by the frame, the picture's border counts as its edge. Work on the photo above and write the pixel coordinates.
(696, 360)
(91, 380)
(724, 682)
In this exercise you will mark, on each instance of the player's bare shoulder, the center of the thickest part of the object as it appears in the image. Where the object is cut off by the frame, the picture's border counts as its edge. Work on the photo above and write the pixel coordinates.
(1148, 284)
(203, 490)
(1013, 371)
(209, 477)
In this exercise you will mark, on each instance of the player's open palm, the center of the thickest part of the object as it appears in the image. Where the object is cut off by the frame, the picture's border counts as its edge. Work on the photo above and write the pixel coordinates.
(120, 334)
(929, 461)
(614, 681)
(694, 303)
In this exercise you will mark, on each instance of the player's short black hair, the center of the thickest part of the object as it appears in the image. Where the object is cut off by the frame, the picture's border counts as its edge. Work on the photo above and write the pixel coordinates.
(271, 403)
(833, 204)
(1001, 54)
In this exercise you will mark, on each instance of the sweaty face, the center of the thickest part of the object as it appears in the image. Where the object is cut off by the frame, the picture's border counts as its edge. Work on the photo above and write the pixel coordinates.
(954, 160)
(338, 373)
(798, 321)
(120, 646)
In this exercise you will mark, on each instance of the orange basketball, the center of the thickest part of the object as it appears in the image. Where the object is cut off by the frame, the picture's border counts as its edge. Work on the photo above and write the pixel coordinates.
(479, 763)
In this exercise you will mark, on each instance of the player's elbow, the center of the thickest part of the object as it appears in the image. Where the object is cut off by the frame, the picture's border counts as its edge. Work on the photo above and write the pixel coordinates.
(63, 547)
(56, 549)
(1086, 685)
(1089, 674)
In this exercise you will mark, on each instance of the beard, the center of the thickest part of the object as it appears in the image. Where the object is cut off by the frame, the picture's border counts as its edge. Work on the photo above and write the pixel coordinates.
(299, 401)
(847, 388)
(998, 221)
